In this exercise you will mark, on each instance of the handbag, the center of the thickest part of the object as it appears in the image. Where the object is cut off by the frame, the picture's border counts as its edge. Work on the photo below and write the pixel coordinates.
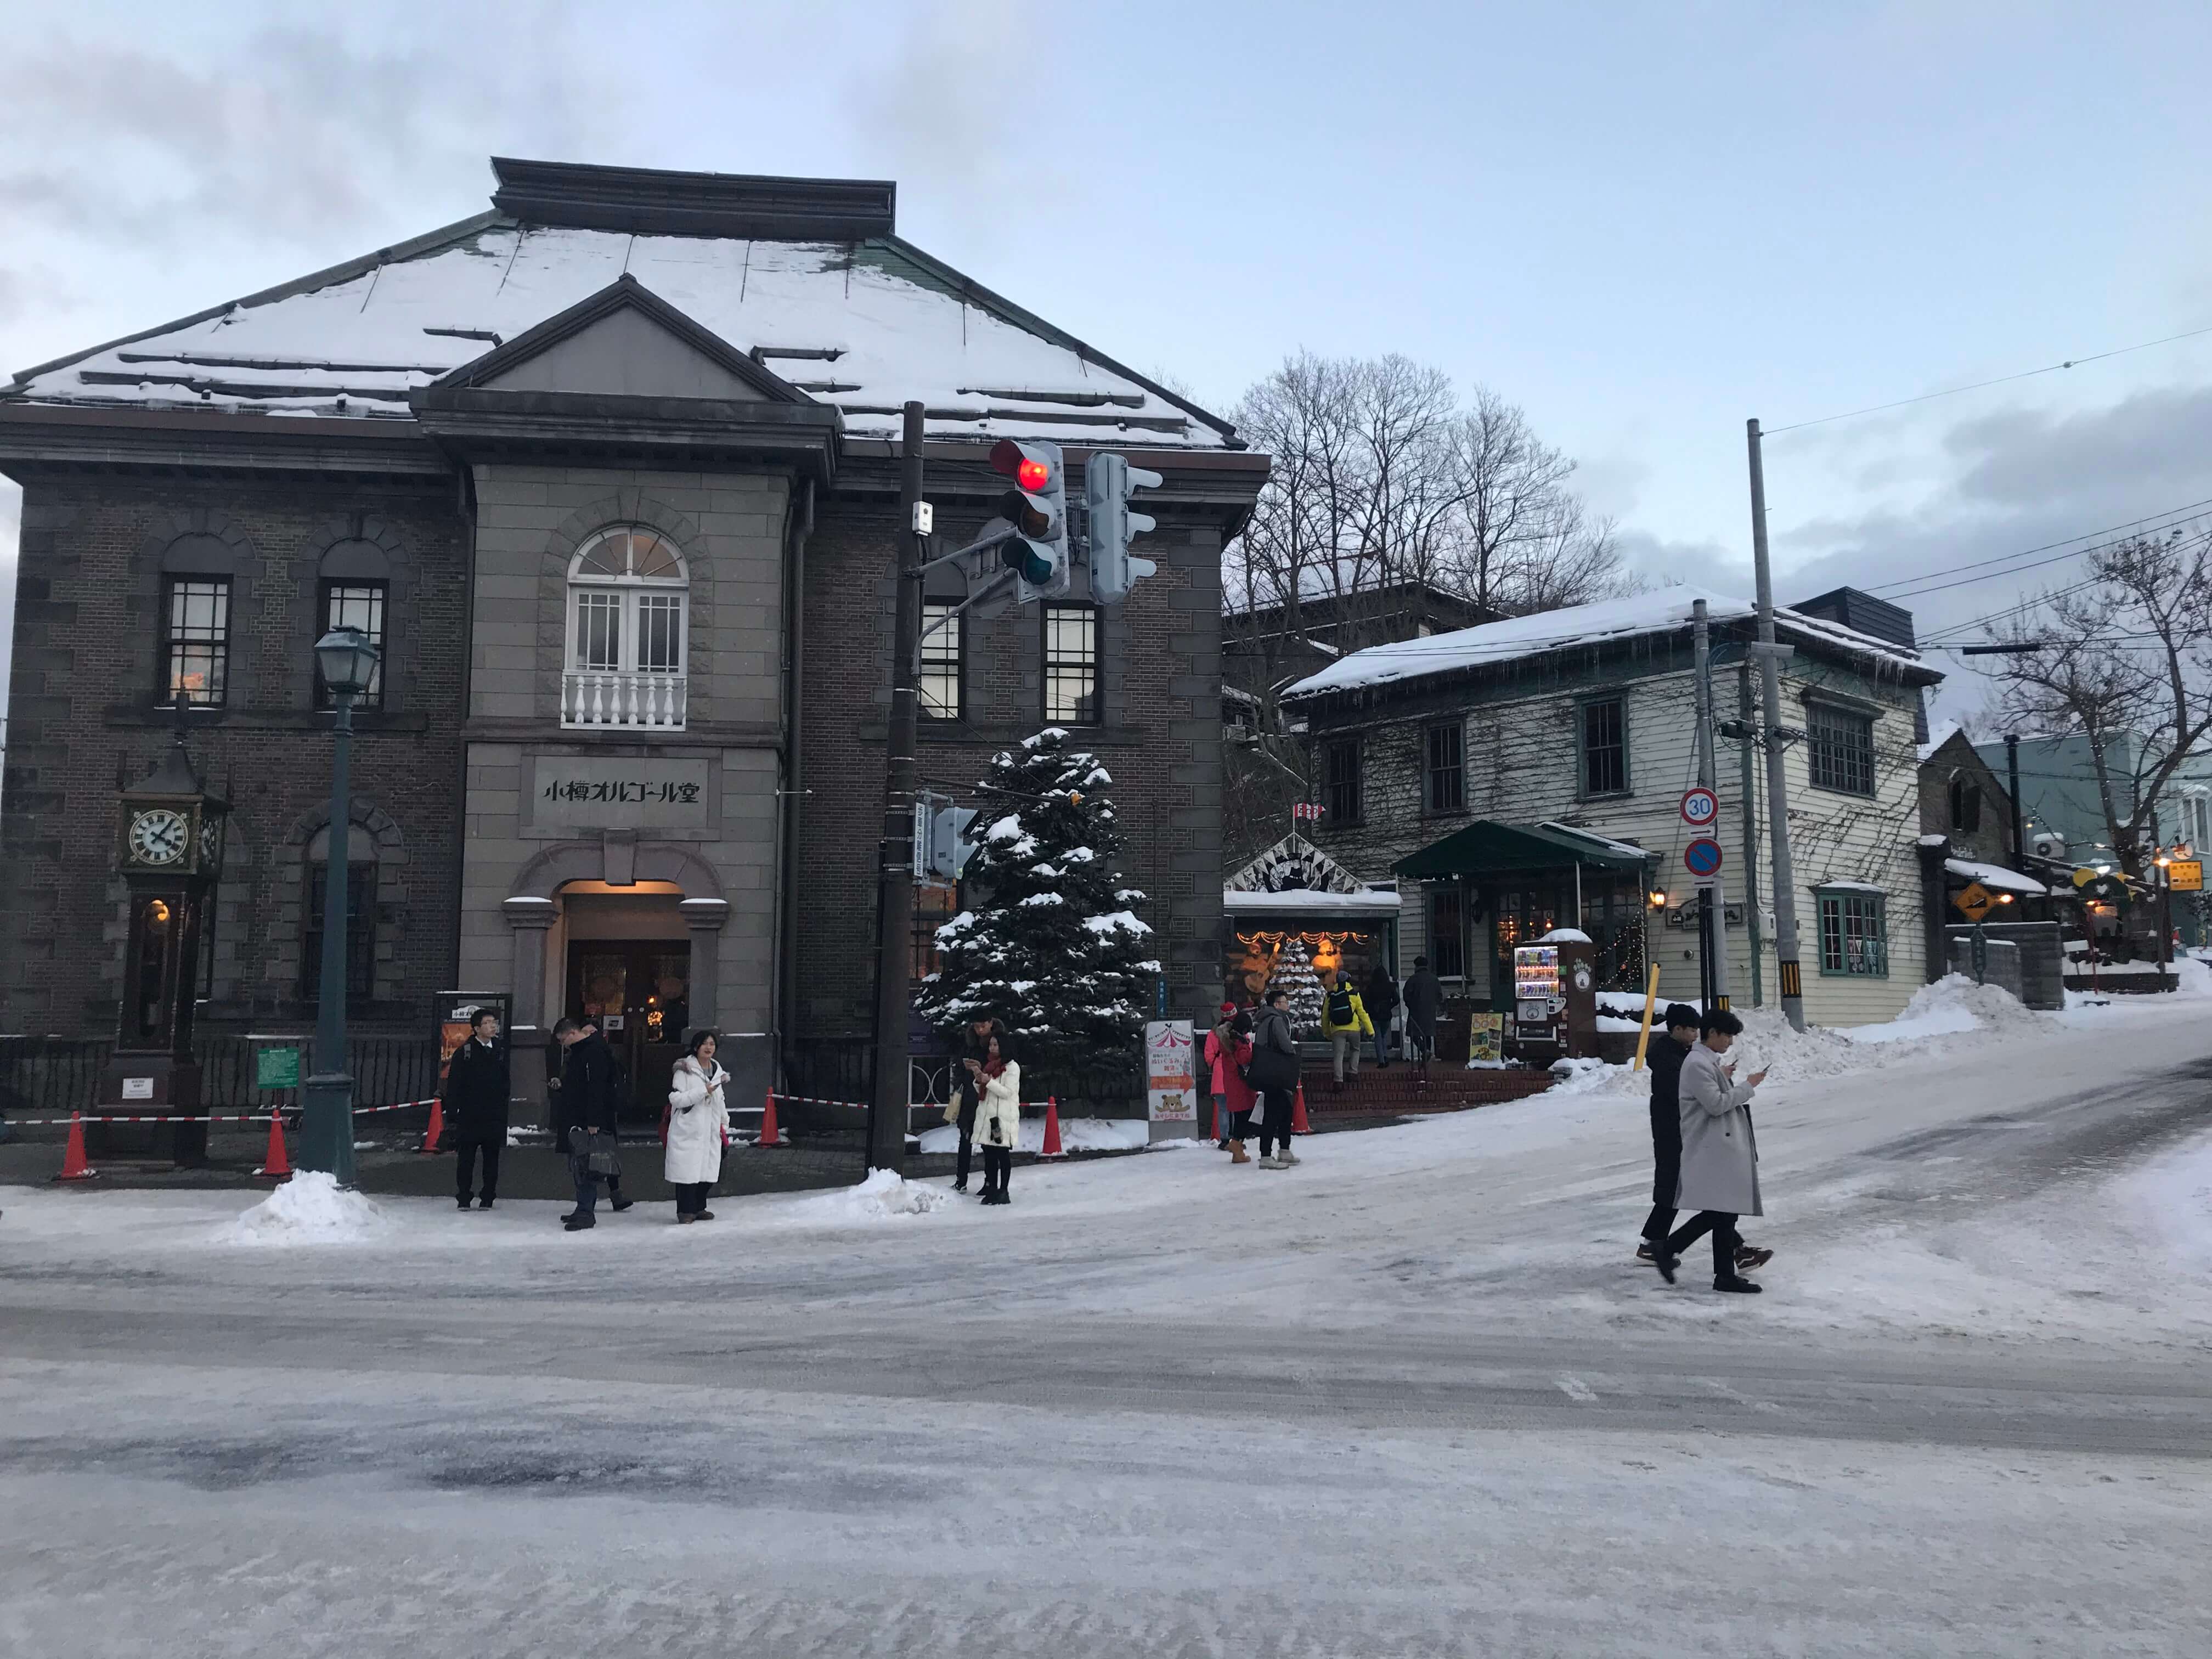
(599, 1154)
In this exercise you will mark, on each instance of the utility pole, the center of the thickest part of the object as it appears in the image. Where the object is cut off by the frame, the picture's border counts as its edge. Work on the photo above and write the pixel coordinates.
(1777, 781)
(1750, 840)
(1713, 896)
(2012, 783)
(887, 1109)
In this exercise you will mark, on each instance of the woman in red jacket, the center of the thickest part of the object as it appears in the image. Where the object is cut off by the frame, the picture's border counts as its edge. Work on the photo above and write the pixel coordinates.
(1228, 1048)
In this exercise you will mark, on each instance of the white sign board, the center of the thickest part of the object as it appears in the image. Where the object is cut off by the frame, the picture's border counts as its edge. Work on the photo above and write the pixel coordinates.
(137, 1088)
(1170, 1072)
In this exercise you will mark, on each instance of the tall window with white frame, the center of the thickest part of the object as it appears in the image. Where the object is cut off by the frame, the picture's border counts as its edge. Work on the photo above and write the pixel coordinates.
(629, 622)
(1071, 663)
(356, 604)
(941, 621)
(196, 643)
(1447, 768)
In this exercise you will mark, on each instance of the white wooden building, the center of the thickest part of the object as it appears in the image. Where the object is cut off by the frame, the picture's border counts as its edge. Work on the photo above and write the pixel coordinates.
(1529, 774)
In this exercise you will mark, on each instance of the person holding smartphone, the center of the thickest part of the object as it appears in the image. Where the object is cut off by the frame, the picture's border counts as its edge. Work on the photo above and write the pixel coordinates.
(1720, 1157)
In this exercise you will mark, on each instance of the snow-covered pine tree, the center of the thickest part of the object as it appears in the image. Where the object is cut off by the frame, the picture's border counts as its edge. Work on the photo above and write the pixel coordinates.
(1294, 973)
(1049, 942)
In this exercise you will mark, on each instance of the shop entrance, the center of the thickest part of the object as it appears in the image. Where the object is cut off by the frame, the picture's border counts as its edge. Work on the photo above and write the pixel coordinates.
(640, 993)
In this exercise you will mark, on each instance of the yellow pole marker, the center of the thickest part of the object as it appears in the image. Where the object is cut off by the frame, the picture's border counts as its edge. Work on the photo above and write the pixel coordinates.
(1643, 1036)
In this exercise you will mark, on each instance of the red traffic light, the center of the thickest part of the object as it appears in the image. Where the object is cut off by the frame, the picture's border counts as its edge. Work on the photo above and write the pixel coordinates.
(1025, 465)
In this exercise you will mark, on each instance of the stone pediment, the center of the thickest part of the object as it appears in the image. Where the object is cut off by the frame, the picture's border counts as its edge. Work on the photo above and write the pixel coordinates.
(623, 342)
(1294, 865)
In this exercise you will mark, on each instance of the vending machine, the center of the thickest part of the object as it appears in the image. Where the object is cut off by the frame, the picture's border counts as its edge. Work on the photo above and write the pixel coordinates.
(1555, 996)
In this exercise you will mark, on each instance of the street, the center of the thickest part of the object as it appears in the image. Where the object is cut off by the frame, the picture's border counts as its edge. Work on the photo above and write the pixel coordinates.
(1411, 1397)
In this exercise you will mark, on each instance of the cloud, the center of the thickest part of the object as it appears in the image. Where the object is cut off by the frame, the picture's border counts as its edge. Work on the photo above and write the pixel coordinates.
(943, 105)
(291, 133)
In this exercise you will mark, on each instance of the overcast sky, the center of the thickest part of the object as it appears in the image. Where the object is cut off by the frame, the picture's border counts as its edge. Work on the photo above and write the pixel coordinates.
(1643, 223)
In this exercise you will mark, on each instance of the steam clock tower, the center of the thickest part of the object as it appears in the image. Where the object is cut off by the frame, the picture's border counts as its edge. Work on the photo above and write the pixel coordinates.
(169, 840)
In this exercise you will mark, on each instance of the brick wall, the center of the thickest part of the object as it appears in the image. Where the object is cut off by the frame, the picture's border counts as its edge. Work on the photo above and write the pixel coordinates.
(88, 632)
(1159, 737)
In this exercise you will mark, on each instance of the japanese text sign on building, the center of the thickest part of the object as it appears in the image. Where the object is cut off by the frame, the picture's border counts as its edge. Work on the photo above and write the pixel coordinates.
(591, 792)
(2185, 875)
(1170, 1072)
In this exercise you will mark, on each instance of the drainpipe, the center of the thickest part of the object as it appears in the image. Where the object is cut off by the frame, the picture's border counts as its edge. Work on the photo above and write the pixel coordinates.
(786, 1013)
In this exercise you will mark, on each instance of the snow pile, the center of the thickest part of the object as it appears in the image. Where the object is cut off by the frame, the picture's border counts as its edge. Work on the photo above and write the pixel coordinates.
(1076, 1134)
(310, 1208)
(1953, 1004)
(884, 1194)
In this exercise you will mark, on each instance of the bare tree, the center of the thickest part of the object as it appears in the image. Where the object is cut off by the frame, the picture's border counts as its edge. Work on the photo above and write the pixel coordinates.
(2124, 660)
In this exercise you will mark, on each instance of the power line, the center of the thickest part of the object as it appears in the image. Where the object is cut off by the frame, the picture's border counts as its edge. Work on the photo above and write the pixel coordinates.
(2135, 525)
(2001, 379)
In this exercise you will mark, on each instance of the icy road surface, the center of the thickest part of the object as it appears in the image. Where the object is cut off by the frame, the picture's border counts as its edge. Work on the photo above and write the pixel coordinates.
(1411, 1398)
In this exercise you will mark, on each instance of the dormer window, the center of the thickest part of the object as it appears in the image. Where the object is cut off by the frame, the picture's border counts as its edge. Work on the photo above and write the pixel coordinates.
(627, 588)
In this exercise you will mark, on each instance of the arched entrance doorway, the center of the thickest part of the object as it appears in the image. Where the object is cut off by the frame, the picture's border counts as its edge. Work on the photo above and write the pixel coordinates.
(628, 968)
(632, 943)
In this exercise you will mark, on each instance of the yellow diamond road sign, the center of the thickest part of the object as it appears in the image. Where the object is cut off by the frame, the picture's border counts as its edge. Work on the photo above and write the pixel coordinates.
(1976, 902)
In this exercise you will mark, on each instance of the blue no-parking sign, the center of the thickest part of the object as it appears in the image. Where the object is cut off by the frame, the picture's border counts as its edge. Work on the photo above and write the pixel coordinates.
(1702, 857)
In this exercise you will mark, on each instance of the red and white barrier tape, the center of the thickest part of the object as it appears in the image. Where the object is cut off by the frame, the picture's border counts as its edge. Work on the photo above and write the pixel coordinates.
(96, 1117)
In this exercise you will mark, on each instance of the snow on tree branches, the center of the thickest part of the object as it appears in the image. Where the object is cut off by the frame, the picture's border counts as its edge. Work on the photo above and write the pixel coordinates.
(1051, 943)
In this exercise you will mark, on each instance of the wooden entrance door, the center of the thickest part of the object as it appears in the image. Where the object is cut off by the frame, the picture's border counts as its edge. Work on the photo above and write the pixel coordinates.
(640, 992)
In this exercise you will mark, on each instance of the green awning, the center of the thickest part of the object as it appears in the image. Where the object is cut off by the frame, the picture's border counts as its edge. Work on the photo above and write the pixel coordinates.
(1488, 848)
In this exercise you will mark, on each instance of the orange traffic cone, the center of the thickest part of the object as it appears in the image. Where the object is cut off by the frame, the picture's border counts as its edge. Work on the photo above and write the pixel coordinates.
(74, 1167)
(1298, 1124)
(277, 1165)
(1052, 1147)
(768, 1134)
(437, 1126)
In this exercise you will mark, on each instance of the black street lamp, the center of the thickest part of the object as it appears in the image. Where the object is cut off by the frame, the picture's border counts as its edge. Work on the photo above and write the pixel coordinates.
(348, 659)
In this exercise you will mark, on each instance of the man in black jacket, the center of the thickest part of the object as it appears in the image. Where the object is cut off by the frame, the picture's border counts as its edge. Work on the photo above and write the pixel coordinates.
(475, 1096)
(1665, 1057)
(1424, 996)
(587, 1108)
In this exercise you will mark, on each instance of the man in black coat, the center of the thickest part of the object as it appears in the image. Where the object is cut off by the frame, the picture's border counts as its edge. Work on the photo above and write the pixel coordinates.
(586, 1106)
(1381, 999)
(475, 1096)
(1424, 996)
(1664, 1057)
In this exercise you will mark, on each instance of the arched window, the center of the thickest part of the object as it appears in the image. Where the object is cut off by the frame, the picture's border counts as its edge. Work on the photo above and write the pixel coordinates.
(1966, 804)
(627, 631)
(360, 915)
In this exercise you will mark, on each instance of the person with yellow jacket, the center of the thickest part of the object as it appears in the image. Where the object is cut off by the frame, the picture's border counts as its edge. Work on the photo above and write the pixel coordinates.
(1344, 1021)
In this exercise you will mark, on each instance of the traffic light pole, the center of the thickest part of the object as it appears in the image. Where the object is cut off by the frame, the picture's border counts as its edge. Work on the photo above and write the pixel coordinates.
(887, 1107)
(1777, 779)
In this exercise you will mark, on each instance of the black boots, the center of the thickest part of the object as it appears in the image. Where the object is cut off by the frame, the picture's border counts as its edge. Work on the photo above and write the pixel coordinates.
(1737, 1282)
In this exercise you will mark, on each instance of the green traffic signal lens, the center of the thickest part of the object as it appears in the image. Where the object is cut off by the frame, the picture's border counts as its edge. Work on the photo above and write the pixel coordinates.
(1025, 562)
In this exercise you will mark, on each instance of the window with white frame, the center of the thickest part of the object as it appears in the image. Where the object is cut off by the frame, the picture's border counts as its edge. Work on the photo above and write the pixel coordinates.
(627, 617)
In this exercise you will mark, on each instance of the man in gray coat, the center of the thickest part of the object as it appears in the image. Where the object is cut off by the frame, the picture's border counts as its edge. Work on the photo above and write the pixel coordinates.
(1720, 1158)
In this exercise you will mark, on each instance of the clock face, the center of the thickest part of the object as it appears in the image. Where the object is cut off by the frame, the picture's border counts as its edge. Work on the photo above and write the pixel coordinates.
(159, 835)
(211, 844)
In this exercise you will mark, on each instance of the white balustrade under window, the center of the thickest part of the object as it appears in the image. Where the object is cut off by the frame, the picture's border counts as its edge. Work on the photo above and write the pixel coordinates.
(594, 698)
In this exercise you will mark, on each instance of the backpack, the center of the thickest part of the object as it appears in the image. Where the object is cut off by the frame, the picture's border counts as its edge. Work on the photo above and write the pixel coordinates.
(1340, 1006)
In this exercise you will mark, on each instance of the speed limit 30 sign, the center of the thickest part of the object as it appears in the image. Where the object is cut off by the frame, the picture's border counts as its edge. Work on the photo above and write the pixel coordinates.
(1700, 806)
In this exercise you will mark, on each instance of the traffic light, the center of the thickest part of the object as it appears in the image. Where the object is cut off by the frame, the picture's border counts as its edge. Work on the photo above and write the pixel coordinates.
(1036, 507)
(1107, 482)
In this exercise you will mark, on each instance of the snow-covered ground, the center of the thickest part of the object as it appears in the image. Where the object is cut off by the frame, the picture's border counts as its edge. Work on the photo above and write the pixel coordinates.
(1412, 1396)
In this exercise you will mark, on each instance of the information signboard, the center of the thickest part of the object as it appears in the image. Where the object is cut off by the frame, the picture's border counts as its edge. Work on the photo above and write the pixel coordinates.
(1170, 1072)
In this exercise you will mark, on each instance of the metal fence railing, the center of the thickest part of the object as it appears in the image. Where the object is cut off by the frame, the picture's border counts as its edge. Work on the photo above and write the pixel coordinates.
(48, 1076)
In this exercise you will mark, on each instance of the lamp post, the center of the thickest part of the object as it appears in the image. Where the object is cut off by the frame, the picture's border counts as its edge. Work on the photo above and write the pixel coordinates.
(348, 659)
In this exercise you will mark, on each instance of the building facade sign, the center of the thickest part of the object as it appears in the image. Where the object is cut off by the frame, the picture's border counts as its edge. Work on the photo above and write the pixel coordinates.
(564, 795)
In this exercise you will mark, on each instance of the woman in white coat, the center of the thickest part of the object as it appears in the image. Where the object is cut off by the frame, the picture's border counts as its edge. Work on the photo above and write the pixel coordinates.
(698, 1124)
(998, 1115)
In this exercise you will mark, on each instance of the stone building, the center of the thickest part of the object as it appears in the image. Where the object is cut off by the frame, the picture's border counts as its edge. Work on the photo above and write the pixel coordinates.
(1528, 775)
(611, 473)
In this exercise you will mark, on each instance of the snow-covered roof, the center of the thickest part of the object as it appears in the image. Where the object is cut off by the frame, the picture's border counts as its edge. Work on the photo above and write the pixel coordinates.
(1579, 627)
(1850, 887)
(864, 325)
(1309, 902)
(1995, 877)
(1942, 735)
